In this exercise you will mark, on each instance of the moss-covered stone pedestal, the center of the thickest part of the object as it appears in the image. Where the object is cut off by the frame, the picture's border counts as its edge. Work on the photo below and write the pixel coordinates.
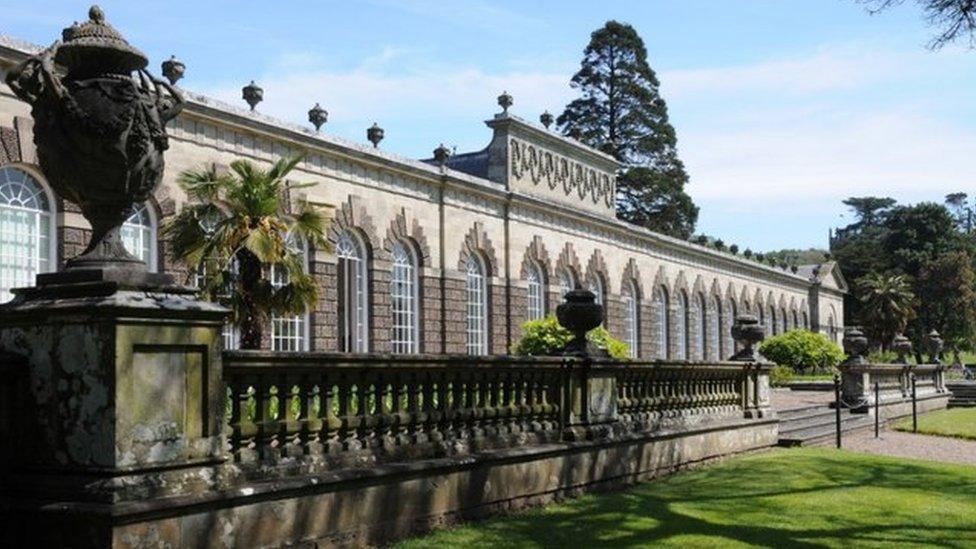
(120, 400)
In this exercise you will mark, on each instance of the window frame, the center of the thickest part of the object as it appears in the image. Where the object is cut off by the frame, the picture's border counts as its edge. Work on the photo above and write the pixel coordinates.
(353, 339)
(476, 299)
(411, 343)
(45, 214)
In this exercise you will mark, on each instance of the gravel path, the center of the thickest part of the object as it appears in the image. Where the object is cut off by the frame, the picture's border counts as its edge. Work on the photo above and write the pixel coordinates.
(910, 445)
(786, 399)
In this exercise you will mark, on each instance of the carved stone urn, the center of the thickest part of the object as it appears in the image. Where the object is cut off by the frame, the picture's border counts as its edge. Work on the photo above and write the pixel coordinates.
(855, 345)
(579, 314)
(934, 345)
(747, 332)
(100, 130)
(903, 346)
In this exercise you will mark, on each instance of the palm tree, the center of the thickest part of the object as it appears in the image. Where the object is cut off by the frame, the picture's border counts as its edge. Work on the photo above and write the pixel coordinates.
(238, 227)
(888, 305)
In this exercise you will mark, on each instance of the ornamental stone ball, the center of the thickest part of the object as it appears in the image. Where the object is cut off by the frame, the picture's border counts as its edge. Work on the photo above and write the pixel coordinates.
(547, 119)
(375, 134)
(318, 116)
(252, 94)
(747, 331)
(855, 345)
(505, 101)
(173, 69)
(100, 132)
(934, 345)
(903, 346)
(579, 314)
(441, 154)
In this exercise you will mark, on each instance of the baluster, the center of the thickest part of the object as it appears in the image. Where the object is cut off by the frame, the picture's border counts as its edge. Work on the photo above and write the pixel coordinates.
(347, 421)
(414, 405)
(400, 414)
(240, 422)
(285, 427)
(329, 412)
(264, 438)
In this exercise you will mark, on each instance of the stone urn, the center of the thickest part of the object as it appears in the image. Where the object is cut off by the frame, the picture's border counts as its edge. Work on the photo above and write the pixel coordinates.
(747, 331)
(579, 314)
(903, 346)
(934, 345)
(855, 345)
(100, 130)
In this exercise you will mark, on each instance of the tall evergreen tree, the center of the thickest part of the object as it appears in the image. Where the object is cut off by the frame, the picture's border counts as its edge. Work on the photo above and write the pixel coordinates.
(621, 112)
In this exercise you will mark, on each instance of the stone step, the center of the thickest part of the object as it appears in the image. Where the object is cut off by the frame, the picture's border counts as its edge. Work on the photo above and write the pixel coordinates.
(804, 412)
(824, 435)
(829, 421)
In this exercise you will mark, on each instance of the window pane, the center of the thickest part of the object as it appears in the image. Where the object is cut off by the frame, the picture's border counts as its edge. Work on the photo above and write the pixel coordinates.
(138, 236)
(25, 231)
(287, 332)
(536, 297)
(477, 308)
(403, 301)
(353, 296)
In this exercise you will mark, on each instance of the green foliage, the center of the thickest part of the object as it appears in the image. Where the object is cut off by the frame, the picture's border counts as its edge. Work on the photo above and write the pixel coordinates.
(620, 111)
(882, 357)
(802, 350)
(545, 337)
(237, 226)
(948, 287)
(781, 375)
(888, 303)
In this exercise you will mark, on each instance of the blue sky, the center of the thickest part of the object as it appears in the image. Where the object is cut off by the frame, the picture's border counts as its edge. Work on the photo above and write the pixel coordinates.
(782, 108)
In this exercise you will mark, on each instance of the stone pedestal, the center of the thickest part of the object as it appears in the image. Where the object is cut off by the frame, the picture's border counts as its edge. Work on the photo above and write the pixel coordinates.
(123, 400)
(592, 400)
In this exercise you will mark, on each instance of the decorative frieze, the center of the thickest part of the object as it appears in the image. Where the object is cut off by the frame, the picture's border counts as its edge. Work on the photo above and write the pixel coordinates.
(559, 173)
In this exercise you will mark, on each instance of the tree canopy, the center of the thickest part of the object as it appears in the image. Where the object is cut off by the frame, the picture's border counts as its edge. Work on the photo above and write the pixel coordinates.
(620, 111)
(952, 19)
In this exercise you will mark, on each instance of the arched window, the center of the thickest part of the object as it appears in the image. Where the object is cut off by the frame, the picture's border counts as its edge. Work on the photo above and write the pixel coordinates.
(26, 230)
(682, 326)
(404, 301)
(832, 328)
(537, 295)
(701, 327)
(771, 326)
(567, 281)
(139, 235)
(477, 307)
(806, 321)
(290, 332)
(784, 323)
(794, 320)
(353, 296)
(631, 318)
(715, 331)
(595, 285)
(730, 345)
(661, 348)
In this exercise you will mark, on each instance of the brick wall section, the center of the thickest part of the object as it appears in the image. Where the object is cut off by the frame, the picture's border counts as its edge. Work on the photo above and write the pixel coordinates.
(456, 337)
(519, 313)
(9, 146)
(324, 319)
(430, 314)
(498, 320)
(381, 318)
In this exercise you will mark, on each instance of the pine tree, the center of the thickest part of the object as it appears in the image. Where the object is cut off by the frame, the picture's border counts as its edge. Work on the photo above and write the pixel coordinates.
(622, 113)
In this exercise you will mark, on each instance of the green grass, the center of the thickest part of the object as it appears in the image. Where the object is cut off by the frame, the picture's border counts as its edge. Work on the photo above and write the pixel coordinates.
(786, 498)
(957, 423)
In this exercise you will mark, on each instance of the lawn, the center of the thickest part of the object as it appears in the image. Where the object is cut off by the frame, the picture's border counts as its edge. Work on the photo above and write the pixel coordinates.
(784, 498)
(956, 422)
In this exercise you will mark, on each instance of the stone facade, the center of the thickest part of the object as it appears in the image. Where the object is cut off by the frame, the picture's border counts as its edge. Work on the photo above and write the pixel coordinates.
(531, 195)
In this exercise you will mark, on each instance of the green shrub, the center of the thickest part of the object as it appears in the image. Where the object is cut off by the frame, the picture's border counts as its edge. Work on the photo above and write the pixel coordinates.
(802, 350)
(882, 357)
(545, 337)
(781, 375)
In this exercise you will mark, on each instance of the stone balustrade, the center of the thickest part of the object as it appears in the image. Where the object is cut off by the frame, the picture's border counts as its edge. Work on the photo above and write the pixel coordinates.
(319, 410)
(894, 383)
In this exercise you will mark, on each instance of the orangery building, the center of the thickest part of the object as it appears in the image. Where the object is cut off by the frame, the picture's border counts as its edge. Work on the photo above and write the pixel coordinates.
(444, 255)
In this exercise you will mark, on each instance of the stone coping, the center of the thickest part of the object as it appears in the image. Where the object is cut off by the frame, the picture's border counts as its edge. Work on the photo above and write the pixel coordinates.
(272, 488)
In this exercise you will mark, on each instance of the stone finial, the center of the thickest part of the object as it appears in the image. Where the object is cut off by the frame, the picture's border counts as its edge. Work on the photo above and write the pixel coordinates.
(574, 133)
(318, 116)
(855, 345)
(547, 119)
(173, 69)
(505, 101)
(253, 94)
(747, 331)
(375, 134)
(903, 346)
(441, 154)
(579, 314)
(934, 344)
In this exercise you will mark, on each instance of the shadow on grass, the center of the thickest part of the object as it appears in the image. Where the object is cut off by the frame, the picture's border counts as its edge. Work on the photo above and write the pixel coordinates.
(786, 499)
